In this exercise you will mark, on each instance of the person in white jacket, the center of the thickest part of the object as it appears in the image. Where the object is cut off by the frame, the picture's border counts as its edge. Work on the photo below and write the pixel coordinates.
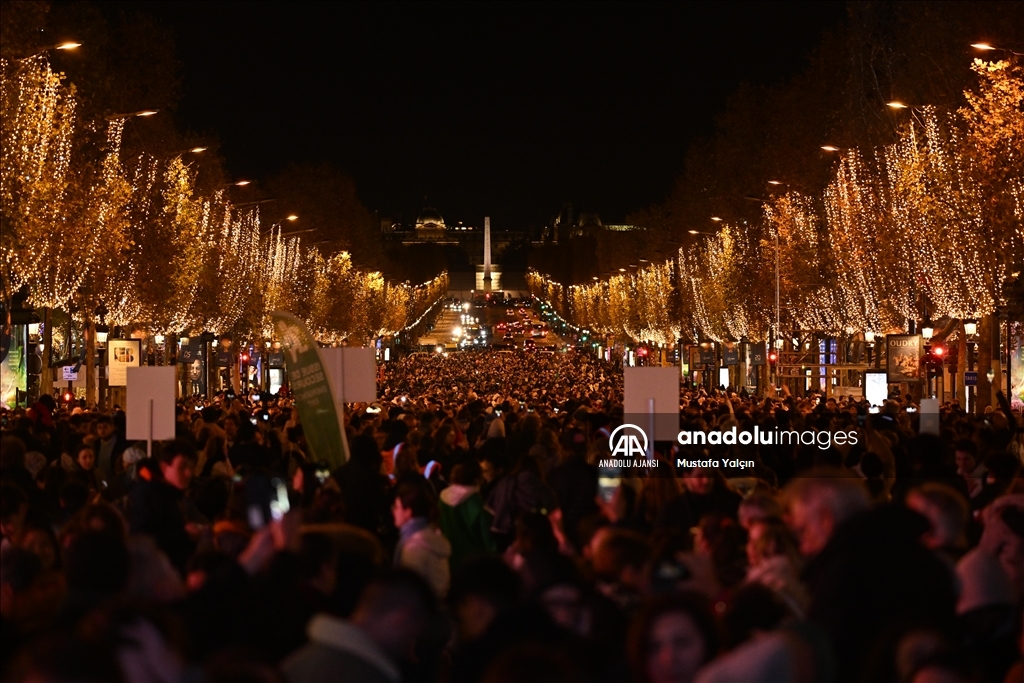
(421, 545)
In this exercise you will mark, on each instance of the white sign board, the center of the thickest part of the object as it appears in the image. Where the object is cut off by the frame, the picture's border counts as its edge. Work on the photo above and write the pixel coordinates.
(149, 407)
(876, 387)
(121, 355)
(69, 374)
(929, 417)
(653, 388)
(353, 373)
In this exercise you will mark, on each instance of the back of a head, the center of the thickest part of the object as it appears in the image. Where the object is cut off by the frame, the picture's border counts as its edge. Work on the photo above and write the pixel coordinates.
(12, 452)
(621, 549)
(169, 450)
(12, 501)
(467, 473)
(531, 663)
(61, 658)
(489, 578)
(364, 450)
(835, 489)
(19, 569)
(96, 563)
(397, 597)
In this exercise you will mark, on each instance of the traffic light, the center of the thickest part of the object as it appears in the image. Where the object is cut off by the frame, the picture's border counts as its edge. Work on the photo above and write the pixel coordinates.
(952, 358)
(68, 397)
(934, 358)
(773, 359)
(244, 357)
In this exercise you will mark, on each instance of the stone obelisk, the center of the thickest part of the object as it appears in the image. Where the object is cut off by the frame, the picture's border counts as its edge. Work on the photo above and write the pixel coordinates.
(487, 253)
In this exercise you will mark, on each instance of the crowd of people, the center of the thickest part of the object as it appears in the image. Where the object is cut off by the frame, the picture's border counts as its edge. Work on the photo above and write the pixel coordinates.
(465, 539)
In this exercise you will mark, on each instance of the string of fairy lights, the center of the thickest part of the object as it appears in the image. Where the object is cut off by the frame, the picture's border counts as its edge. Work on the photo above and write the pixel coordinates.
(139, 241)
(927, 227)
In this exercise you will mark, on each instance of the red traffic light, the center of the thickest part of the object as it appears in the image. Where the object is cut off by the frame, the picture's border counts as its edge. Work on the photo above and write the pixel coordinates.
(939, 351)
(68, 397)
(772, 357)
(245, 357)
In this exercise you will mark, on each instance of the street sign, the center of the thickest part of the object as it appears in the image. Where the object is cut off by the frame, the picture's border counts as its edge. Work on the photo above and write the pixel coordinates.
(757, 355)
(707, 356)
(929, 416)
(970, 379)
(68, 373)
(732, 356)
(353, 373)
(150, 404)
(652, 401)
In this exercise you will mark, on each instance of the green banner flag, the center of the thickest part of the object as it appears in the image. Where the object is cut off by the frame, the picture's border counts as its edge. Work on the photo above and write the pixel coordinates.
(314, 398)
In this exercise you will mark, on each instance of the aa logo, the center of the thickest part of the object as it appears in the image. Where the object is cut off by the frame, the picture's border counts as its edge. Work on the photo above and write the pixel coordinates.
(625, 441)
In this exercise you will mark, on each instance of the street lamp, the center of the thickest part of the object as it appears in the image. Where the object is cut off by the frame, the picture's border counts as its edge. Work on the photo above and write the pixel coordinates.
(987, 47)
(67, 45)
(869, 336)
(129, 115)
(970, 327)
(927, 331)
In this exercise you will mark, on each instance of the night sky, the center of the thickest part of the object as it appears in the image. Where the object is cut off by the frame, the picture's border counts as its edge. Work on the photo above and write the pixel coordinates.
(504, 109)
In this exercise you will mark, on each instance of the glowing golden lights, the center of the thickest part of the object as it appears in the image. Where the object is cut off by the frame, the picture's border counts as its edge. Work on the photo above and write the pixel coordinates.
(136, 238)
(932, 222)
(70, 45)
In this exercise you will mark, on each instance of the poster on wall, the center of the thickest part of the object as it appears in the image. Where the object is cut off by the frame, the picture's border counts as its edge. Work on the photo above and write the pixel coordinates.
(121, 355)
(757, 355)
(903, 358)
(13, 371)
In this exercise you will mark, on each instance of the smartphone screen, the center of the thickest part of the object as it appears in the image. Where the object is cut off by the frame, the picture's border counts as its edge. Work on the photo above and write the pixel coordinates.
(608, 481)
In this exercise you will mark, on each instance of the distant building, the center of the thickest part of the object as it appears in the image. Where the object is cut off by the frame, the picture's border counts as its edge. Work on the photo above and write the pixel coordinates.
(562, 227)
(431, 228)
(430, 224)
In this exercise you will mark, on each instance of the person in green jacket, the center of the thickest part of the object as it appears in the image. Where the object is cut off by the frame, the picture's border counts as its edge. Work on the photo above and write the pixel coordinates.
(463, 519)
